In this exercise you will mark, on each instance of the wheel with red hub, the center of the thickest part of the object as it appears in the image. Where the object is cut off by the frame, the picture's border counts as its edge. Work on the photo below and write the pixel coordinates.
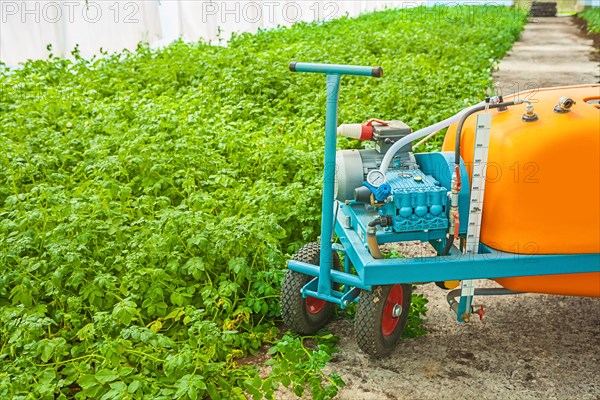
(305, 316)
(381, 315)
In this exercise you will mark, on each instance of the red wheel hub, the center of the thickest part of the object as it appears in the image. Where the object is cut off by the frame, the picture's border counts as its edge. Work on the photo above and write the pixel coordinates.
(314, 305)
(389, 322)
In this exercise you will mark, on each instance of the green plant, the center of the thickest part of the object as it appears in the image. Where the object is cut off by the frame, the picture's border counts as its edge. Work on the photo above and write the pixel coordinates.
(298, 363)
(592, 16)
(149, 199)
(418, 309)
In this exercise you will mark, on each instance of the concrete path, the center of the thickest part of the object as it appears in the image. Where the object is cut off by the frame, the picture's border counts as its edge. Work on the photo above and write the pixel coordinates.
(550, 52)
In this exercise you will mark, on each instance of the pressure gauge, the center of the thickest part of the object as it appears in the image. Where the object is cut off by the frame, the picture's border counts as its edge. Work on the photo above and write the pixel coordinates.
(376, 178)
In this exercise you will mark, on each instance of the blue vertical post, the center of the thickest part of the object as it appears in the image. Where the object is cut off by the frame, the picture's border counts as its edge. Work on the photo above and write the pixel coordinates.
(326, 261)
(333, 74)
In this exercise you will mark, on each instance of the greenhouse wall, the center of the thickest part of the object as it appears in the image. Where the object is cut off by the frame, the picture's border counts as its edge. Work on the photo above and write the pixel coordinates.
(34, 29)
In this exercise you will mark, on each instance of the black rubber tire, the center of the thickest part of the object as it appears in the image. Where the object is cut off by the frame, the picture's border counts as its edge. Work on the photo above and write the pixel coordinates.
(369, 316)
(293, 306)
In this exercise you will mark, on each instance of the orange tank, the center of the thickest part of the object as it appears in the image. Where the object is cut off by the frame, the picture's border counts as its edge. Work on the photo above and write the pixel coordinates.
(542, 193)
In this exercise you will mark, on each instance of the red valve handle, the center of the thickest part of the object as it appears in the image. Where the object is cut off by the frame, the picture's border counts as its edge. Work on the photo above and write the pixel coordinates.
(481, 312)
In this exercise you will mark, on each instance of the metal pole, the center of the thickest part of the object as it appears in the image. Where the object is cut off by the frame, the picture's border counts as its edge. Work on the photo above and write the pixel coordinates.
(326, 262)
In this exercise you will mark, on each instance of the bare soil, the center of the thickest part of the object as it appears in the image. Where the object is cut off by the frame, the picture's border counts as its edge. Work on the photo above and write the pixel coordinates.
(527, 346)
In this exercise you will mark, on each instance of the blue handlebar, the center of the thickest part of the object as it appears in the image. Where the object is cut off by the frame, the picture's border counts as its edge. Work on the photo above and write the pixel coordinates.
(333, 76)
(337, 69)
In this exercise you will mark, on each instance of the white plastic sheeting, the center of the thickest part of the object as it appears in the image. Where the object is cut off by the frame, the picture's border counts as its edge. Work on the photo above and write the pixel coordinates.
(28, 27)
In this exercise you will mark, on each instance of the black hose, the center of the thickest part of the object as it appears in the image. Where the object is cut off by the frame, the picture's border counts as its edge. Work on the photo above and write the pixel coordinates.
(468, 114)
(449, 243)
(384, 220)
(459, 129)
(374, 222)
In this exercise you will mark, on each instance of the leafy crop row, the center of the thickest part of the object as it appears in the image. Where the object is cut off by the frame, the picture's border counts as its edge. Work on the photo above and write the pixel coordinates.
(149, 199)
(592, 16)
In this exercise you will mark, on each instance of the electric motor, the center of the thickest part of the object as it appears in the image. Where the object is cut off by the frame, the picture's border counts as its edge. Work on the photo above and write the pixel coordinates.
(353, 166)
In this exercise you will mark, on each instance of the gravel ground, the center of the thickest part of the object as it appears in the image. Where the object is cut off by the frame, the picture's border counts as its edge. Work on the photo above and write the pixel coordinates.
(551, 52)
(527, 346)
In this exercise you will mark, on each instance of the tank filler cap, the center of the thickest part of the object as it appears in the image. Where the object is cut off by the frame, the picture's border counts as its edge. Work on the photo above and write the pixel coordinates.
(530, 114)
(564, 105)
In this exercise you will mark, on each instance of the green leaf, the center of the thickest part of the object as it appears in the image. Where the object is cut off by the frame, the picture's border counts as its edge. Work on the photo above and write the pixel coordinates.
(106, 375)
(47, 376)
(87, 381)
(195, 267)
(125, 371)
(285, 380)
(133, 386)
(212, 391)
(124, 311)
(48, 349)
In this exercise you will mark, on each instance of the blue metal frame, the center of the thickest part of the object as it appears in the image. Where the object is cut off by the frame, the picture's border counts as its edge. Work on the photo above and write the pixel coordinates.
(336, 69)
(333, 75)
(488, 264)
